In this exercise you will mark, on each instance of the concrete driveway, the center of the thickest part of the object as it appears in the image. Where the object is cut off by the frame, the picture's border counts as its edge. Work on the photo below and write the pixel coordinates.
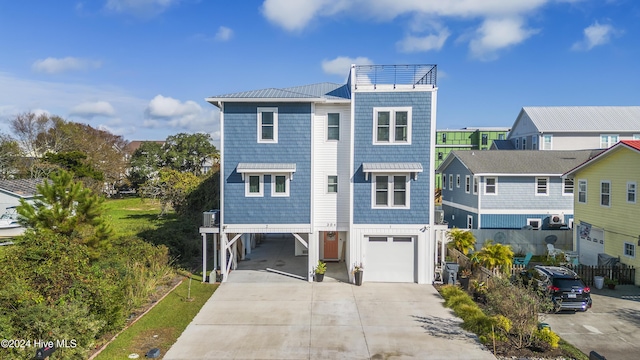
(329, 320)
(610, 327)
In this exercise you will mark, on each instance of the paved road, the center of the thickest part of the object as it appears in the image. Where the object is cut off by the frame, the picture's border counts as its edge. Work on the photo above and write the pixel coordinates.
(611, 327)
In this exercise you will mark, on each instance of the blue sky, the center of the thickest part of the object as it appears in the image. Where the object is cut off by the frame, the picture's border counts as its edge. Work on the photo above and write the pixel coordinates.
(142, 68)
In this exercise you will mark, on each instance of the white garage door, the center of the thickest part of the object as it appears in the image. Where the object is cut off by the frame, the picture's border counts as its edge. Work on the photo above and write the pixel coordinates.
(590, 244)
(390, 259)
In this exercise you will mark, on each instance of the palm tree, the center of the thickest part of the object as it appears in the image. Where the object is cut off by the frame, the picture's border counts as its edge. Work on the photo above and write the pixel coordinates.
(461, 240)
(495, 256)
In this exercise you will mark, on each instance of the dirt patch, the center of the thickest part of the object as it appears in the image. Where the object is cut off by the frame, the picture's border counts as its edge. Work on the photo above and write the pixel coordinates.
(147, 340)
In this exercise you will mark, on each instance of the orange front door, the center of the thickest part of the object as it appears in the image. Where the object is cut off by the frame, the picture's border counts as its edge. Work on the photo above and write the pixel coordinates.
(331, 245)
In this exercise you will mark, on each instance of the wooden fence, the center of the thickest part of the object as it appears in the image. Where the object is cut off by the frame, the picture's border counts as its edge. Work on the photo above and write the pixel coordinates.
(624, 274)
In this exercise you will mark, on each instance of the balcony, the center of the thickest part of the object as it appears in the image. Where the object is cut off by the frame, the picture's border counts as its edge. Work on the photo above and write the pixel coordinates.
(384, 77)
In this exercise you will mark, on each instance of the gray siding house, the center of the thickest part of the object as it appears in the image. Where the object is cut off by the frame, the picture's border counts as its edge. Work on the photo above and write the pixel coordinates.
(574, 127)
(506, 189)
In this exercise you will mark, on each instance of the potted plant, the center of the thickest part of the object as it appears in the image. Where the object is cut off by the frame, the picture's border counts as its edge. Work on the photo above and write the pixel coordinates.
(357, 273)
(320, 269)
(611, 283)
(464, 276)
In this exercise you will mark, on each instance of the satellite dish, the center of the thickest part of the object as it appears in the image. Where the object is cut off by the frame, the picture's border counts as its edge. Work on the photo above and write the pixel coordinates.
(551, 239)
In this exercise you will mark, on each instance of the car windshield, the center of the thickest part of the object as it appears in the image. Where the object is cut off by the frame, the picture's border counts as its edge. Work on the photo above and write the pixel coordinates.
(568, 283)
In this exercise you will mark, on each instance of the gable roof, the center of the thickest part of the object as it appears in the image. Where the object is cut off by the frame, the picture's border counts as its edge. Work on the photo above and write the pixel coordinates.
(502, 145)
(629, 144)
(312, 92)
(519, 162)
(583, 118)
(21, 187)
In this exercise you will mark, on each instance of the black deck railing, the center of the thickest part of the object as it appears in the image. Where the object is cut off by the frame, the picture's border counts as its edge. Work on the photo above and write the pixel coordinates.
(395, 75)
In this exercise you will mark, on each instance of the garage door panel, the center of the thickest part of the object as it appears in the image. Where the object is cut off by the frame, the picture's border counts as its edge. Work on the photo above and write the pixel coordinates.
(591, 243)
(391, 260)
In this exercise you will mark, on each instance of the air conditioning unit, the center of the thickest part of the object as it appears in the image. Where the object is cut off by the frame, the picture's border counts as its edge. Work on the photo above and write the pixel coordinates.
(556, 219)
(211, 218)
(439, 216)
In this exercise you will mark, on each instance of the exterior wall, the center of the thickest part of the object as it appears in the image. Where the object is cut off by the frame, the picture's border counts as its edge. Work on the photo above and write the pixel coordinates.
(457, 217)
(240, 145)
(620, 221)
(8, 200)
(331, 157)
(523, 126)
(518, 192)
(458, 194)
(418, 151)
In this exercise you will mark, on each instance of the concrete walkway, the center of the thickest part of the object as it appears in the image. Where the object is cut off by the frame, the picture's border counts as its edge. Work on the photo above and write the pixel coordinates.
(259, 314)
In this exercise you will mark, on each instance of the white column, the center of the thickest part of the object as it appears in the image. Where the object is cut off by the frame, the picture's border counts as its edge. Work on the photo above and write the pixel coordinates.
(212, 276)
(234, 257)
(223, 255)
(313, 255)
(204, 257)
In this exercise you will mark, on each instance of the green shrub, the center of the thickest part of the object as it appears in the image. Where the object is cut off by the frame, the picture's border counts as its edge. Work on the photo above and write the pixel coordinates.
(449, 290)
(547, 336)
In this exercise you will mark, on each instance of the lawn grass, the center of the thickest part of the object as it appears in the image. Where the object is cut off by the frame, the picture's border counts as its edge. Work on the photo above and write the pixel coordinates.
(130, 216)
(161, 327)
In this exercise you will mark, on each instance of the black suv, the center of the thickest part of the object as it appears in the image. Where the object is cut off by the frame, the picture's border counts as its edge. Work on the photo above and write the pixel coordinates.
(567, 291)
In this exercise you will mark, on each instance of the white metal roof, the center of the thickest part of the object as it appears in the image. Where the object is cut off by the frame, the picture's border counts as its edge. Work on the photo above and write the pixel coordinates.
(266, 167)
(392, 167)
(584, 118)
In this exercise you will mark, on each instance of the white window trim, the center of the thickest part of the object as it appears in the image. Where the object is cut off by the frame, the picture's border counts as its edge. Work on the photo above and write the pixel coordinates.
(450, 181)
(534, 142)
(610, 143)
(601, 183)
(247, 186)
(327, 127)
(564, 187)
(624, 250)
(635, 192)
(444, 181)
(546, 193)
(287, 177)
(275, 124)
(475, 185)
(544, 142)
(392, 125)
(586, 192)
(496, 186)
(458, 181)
(524, 143)
(390, 191)
(636, 136)
(469, 221)
(467, 184)
(517, 143)
(337, 185)
(539, 221)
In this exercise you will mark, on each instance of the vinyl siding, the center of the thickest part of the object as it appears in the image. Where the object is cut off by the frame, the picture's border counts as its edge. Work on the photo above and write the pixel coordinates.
(294, 146)
(518, 192)
(458, 194)
(331, 211)
(620, 221)
(418, 151)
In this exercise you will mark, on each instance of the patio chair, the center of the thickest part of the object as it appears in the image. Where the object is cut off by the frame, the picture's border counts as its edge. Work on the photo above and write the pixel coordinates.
(523, 260)
(552, 251)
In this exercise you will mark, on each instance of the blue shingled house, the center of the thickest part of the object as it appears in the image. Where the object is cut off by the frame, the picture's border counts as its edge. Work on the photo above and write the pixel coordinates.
(507, 189)
(344, 169)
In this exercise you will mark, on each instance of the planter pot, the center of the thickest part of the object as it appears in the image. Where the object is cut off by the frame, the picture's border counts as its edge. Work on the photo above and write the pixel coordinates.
(464, 283)
(358, 277)
(598, 282)
(319, 277)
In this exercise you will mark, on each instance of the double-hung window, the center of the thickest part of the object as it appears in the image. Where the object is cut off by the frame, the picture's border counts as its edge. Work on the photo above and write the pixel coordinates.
(333, 126)
(542, 186)
(629, 250)
(450, 181)
(485, 139)
(546, 142)
(332, 184)
(607, 141)
(475, 185)
(444, 181)
(392, 126)
(267, 125)
(391, 191)
(467, 184)
(457, 180)
(605, 193)
(582, 191)
(491, 185)
(631, 191)
(567, 188)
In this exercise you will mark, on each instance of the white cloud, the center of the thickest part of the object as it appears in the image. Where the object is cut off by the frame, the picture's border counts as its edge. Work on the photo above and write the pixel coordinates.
(145, 8)
(57, 65)
(496, 34)
(167, 112)
(91, 109)
(342, 64)
(595, 35)
(423, 43)
(294, 15)
(224, 33)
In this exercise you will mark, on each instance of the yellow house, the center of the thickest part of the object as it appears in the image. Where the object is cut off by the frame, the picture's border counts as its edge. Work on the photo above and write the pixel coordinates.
(606, 205)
